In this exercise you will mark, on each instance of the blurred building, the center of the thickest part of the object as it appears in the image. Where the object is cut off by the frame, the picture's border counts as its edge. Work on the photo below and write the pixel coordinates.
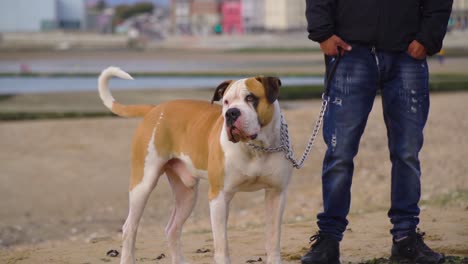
(197, 17)
(253, 13)
(21, 15)
(160, 3)
(232, 17)
(249, 16)
(273, 15)
(459, 18)
(180, 16)
(205, 15)
(33, 16)
(284, 15)
(71, 14)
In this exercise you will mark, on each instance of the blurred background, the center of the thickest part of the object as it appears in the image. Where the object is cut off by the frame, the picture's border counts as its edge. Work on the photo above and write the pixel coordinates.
(64, 158)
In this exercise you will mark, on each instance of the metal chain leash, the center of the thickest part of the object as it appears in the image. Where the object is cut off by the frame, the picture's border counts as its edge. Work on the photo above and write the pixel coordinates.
(286, 146)
(331, 64)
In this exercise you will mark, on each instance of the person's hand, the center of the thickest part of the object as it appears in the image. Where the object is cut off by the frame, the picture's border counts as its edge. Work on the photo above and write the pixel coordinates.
(416, 50)
(330, 46)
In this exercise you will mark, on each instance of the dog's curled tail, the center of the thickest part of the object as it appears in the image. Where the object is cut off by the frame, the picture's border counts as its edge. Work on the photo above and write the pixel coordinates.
(108, 99)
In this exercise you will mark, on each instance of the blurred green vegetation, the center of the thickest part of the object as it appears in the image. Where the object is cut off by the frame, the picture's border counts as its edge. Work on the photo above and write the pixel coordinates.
(437, 83)
(160, 74)
(449, 52)
(274, 50)
(17, 116)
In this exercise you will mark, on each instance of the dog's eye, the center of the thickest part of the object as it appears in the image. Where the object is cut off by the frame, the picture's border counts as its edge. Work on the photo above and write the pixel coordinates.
(226, 102)
(250, 98)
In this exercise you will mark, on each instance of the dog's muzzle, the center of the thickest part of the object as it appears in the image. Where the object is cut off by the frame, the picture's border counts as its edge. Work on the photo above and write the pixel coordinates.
(231, 116)
(235, 134)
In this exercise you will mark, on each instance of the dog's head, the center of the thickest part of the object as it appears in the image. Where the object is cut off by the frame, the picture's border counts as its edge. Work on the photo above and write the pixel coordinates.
(247, 105)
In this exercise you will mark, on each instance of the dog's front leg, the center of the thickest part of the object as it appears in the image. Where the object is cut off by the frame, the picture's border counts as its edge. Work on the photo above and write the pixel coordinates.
(219, 209)
(274, 207)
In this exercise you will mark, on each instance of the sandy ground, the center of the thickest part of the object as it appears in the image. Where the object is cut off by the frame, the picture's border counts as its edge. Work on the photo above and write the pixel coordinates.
(63, 192)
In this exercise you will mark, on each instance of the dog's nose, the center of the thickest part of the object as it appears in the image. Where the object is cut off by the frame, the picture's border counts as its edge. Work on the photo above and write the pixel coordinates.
(231, 115)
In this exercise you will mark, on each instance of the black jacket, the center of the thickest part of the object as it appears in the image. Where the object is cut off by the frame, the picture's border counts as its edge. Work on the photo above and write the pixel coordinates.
(388, 25)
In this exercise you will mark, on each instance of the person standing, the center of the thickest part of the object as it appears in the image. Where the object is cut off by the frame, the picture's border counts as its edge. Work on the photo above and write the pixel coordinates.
(384, 45)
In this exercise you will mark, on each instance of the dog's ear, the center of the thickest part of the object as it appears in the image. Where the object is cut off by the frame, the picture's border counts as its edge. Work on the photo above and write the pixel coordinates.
(271, 85)
(219, 92)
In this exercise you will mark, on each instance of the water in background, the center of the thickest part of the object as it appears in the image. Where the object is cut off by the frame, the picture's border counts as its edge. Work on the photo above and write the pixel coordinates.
(21, 85)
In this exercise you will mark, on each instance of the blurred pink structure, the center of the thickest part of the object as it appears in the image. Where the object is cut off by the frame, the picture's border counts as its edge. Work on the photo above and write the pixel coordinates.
(232, 17)
(24, 68)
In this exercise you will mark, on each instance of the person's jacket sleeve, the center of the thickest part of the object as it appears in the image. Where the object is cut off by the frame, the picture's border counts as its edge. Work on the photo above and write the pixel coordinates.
(435, 16)
(320, 19)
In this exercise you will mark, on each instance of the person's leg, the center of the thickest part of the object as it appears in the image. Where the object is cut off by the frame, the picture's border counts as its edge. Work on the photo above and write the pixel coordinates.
(405, 99)
(352, 93)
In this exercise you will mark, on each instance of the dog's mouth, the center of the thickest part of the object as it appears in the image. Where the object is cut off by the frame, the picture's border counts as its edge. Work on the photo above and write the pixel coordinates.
(235, 135)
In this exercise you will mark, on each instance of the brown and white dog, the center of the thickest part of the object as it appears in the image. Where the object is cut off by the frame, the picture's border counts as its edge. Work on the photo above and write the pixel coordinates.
(190, 140)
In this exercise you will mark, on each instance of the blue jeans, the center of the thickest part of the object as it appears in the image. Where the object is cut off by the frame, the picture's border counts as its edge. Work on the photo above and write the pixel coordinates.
(403, 82)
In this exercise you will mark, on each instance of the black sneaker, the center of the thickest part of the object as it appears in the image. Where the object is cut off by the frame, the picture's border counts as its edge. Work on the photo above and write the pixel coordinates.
(325, 250)
(413, 250)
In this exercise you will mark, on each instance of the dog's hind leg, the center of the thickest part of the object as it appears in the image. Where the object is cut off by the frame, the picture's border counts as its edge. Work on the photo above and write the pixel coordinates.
(147, 167)
(184, 186)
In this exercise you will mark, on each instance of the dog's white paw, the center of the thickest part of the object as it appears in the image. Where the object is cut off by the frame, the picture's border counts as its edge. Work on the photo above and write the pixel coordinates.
(273, 260)
(222, 259)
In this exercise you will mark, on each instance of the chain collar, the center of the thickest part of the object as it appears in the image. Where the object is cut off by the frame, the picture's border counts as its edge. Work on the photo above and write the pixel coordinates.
(286, 146)
(284, 133)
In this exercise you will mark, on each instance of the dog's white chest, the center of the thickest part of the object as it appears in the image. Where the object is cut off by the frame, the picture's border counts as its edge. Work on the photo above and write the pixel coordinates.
(254, 172)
